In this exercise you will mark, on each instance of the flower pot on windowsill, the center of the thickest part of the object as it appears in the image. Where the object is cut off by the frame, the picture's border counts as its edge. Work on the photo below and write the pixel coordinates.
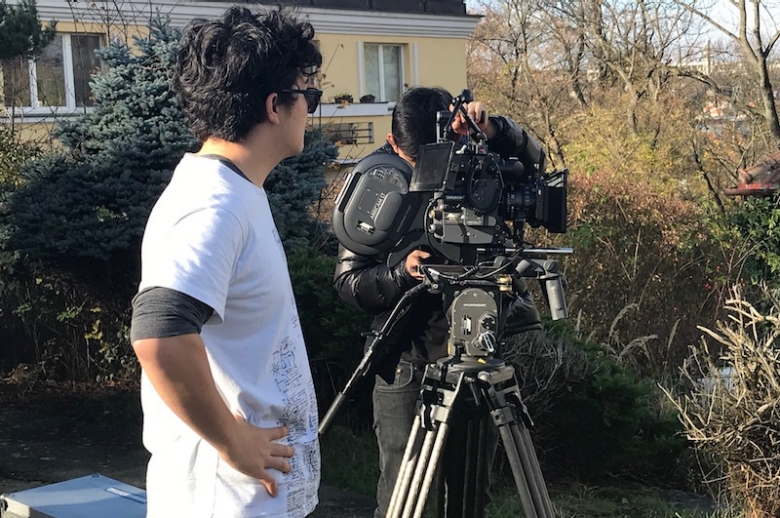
(368, 98)
(343, 99)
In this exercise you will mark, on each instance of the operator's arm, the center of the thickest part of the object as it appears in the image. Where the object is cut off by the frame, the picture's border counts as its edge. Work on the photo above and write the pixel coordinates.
(368, 284)
(504, 136)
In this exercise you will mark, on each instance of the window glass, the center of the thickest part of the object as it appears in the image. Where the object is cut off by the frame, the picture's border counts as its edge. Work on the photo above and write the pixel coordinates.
(391, 56)
(16, 82)
(51, 82)
(85, 63)
(383, 74)
(371, 56)
(50, 75)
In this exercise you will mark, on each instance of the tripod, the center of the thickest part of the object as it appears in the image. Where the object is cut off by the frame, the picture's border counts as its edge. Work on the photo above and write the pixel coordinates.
(447, 386)
(462, 393)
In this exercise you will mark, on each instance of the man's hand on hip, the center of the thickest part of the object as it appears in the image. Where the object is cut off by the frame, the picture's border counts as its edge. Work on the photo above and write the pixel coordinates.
(252, 452)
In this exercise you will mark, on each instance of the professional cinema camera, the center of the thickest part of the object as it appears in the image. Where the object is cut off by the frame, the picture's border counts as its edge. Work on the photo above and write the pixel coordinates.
(462, 201)
(468, 207)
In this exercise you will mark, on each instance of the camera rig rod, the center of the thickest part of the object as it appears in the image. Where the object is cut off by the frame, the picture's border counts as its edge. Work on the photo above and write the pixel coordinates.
(372, 354)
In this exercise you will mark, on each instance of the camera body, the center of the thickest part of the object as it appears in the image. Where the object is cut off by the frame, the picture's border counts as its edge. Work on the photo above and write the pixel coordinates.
(461, 202)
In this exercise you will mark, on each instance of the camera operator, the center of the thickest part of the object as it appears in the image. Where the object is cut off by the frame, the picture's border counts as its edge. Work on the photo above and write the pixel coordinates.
(367, 283)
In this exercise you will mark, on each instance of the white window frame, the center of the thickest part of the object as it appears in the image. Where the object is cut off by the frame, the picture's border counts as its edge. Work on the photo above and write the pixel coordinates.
(68, 78)
(362, 67)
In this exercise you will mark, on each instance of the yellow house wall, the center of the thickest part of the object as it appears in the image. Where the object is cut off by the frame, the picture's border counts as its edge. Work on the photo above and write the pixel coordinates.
(443, 63)
(125, 32)
(440, 62)
(36, 132)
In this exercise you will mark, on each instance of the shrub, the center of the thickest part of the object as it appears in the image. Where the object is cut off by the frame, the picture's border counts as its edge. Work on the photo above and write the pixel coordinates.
(593, 416)
(643, 266)
(70, 329)
(332, 330)
(754, 223)
(13, 156)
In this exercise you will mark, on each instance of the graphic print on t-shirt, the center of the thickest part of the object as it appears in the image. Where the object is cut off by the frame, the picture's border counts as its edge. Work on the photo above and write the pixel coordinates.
(298, 400)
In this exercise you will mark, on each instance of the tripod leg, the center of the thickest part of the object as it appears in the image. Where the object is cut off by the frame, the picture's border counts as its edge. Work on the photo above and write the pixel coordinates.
(533, 472)
(487, 440)
(407, 466)
(408, 493)
(463, 486)
(513, 456)
(456, 467)
(510, 417)
(424, 473)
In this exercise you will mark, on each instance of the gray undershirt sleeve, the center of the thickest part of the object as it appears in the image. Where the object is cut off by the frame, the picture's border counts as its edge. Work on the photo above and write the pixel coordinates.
(163, 313)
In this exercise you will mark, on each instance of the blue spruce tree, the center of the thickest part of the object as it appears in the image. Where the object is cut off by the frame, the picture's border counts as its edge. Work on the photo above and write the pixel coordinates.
(89, 204)
(70, 230)
(294, 185)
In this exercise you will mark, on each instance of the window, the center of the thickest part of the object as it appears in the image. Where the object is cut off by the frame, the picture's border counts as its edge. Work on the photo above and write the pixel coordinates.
(57, 78)
(383, 71)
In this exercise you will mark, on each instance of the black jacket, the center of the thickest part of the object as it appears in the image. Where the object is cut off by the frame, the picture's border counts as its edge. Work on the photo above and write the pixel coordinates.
(368, 284)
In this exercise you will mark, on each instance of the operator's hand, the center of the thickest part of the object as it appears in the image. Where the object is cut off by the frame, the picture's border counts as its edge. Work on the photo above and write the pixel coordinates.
(478, 112)
(253, 451)
(413, 262)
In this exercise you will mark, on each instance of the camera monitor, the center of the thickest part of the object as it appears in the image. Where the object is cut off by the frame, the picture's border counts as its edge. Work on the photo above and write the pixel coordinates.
(430, 172)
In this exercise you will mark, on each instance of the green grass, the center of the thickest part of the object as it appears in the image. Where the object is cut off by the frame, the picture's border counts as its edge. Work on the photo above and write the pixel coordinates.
(350, 462)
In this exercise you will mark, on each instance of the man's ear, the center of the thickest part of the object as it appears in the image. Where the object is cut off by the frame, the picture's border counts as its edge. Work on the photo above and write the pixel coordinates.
(272, 105)
(391, 141)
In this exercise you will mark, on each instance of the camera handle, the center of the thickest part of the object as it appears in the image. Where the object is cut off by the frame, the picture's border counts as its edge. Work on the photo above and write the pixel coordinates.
(458, 103)
(547, 272)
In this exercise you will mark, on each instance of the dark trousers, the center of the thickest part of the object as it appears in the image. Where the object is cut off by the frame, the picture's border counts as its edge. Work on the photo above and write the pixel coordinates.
(394, 411)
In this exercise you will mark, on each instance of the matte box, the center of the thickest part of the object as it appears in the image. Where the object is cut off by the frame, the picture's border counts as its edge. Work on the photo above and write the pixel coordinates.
(93, 496)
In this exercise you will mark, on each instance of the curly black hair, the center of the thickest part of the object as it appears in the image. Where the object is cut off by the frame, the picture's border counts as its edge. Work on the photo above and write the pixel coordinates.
(227, 68)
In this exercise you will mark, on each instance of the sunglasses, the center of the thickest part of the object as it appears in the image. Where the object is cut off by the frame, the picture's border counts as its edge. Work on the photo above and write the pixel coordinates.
(312, 96)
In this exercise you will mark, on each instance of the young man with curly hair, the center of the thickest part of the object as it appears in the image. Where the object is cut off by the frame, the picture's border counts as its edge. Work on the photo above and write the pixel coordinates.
(230, 414)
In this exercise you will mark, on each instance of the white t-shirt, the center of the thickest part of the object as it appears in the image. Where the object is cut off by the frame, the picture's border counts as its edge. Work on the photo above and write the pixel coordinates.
(211, 235)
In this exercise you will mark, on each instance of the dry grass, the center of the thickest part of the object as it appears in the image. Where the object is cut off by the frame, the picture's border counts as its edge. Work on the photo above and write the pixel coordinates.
(731, 410)
(545, 367)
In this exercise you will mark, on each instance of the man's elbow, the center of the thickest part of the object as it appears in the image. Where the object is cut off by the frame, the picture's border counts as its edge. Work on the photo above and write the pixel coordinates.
(147, 350)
